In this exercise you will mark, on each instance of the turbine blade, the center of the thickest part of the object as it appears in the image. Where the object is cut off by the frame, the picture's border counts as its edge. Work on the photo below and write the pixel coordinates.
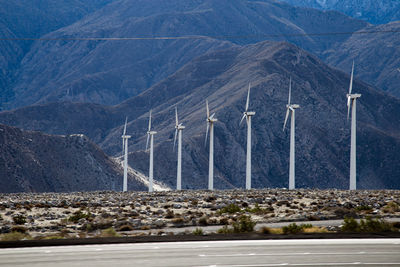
(123, 146)
(147, 142)
(212, 116)
(176, 116)
(126, 120)
(208, 127)
(348, 107)
(351, 78)
(290, 90)
(150, 121)
(208, 111)
(286, 118)
(176, 132)
(244, 116)
(248, 98)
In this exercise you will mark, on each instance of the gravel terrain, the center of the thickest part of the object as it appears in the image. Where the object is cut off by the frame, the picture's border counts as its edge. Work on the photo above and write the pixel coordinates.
(93, 214)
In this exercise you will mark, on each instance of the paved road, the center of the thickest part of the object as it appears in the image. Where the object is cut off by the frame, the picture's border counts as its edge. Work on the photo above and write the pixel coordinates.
(314, 252)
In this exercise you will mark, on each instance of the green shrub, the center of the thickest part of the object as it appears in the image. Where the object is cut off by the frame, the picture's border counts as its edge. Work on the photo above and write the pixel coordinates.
(293, 228)
(203, 221)
(198, 231)
(265, 230)
(363, 208)
(78, 215)
(19, 229)
(244, 225)
(109, 232)
(231, 208)
(369, 225)
(19, 219)
(350, 225)
(225, 230)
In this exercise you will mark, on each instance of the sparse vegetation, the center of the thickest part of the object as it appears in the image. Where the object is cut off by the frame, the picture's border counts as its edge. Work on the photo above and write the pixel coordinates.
(14, 236)
(293, 228)
(265, 230)
(369, 225)
(244, 225)
(198, 231)
(231, 209)
(19, 219)
(203, 221)
(109, 232)
(391, 207)
(78, 215)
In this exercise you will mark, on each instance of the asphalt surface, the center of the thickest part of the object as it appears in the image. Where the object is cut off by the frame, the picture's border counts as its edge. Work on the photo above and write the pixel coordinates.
(312, 252)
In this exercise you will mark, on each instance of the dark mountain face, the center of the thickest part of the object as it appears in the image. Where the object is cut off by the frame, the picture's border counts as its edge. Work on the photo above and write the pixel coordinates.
(32, 19)
(372, 52)
(377, 12)
(222, 77)
(110, 71)
(37, 162)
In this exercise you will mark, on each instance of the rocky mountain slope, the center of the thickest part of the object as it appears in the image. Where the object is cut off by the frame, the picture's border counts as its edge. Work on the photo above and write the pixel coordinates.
(32, 19)
(377, 12)
(371, 53)
(37, 162)
(222, 77)
(110, 71)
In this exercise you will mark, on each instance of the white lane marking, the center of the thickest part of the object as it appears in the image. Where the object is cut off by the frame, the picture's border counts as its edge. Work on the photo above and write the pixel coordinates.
(307, 264)
(98, 249)
(300, 254)
(47, 251)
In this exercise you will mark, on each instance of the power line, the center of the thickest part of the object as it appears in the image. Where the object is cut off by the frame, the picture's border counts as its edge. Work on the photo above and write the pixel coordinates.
(255, 36)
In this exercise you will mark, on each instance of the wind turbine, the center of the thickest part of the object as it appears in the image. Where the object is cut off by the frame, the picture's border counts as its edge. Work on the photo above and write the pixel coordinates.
(150, 135)
(248, 114)
(178, 131)
(125, 152)
(351, 101)
(290, 108)
(210, 126)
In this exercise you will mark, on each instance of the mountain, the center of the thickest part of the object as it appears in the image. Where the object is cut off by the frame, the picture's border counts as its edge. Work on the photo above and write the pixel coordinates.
(376, 12)
(222, 77)
(110, 71)
(377, 56)
(32, 19)
(37, 162)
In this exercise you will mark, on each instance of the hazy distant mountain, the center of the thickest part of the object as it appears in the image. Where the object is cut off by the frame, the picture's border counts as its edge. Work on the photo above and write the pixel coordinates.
(377, 56)
(37, 162)
(222, 77)
(110, 71)
(374, 11)
(32, 19)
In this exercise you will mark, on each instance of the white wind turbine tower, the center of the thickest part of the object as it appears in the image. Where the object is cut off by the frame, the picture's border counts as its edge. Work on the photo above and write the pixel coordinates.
(351, 101)
(248, 114)
(291, 108)
(210, 126)
(125, 152)
(150, 135)
(178, 131)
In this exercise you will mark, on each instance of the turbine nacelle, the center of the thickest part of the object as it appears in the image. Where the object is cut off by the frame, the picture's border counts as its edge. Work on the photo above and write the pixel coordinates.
(151, 132)
(180, 127)
(126, 136)
(293, 106)
(249, 113)
(353, 96)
